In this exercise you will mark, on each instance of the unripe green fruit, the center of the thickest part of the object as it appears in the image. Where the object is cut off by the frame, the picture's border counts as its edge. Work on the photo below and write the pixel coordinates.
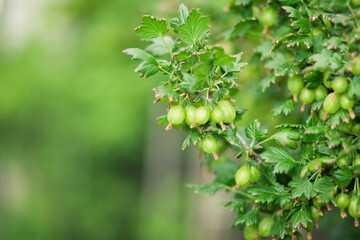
(356, 128)
(228, 110)
(307, 96)
(317, 203)
(190, 114)
(316, 32)
(356, 63)
(265, 226)
(292, 144)
(217, 115)
(315, 213)
(295, 84)
(353, 207)
(256, 11)
(339, 85)
(331, 103)
(346, 102)
(254, 174)
(176, 115)
(315, 165)
(342, 200)
(320, 93)
(251, 233)
(209, 145)
(304, 171)
(202, 115)
(268, 17)
(242, 176)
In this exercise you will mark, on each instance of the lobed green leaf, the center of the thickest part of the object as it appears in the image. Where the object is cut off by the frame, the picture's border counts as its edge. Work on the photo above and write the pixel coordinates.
(195, 28)
(283, 160)
(151, 28)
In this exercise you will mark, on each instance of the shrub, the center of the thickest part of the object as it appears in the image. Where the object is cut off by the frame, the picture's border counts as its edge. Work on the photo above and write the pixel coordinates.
(296, 175)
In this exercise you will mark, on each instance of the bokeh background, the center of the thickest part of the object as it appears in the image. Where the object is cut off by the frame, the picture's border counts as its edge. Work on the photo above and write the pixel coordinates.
(81, 156)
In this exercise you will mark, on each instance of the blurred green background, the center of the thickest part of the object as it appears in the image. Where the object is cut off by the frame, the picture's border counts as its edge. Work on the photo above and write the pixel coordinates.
(80, 154)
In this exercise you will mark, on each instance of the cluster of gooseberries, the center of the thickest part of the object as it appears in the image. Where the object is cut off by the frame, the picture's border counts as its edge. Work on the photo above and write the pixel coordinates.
(254, 232)
(222, 113)
(267, 16)
(264, 229)
(342, 201)
(246, 174)
(332, 100)
(333, 94)
(317, 163)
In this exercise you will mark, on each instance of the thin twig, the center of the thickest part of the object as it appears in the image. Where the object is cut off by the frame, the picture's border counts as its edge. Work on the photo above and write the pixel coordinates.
(240, 192)
(238, 136)
(167, 47)
(354, 15)
(252, 154)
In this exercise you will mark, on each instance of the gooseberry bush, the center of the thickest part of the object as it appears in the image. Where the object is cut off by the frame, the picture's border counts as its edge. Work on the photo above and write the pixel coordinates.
(285, 181)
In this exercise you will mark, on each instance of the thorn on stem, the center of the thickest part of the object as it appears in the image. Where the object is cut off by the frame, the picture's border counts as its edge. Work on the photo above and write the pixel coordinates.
(232, 125)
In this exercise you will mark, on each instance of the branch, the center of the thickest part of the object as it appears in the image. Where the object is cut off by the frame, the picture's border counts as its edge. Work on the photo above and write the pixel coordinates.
(252, 154)
(240, 192)
(238, 136)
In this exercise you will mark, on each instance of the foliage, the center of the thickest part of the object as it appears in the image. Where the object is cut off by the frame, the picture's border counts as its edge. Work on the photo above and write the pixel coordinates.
(299, 164)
